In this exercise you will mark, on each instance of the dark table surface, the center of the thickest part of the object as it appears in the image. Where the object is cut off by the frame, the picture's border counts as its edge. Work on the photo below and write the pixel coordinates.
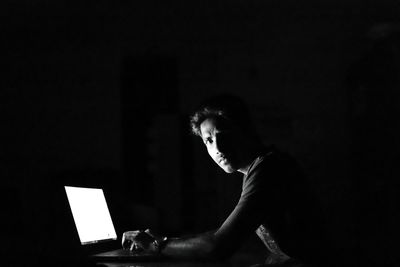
(164, 264)
(241, 259)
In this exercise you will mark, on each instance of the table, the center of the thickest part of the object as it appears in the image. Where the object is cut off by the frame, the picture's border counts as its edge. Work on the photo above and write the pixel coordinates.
(165, 264)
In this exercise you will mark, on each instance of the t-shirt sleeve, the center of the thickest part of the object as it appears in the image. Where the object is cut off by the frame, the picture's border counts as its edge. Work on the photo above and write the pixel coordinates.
(256, 198)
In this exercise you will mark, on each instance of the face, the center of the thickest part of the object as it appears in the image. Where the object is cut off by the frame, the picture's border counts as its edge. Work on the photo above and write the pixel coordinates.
(222, 144)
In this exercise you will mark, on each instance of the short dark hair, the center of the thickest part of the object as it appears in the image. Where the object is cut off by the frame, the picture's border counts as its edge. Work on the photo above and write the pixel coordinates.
(229, 108)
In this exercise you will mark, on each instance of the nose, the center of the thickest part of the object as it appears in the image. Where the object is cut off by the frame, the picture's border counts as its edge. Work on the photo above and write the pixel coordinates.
(217, 150)
(219, 145)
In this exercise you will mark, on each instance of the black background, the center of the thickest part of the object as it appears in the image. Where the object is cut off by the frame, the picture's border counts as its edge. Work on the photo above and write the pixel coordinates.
(98, 93)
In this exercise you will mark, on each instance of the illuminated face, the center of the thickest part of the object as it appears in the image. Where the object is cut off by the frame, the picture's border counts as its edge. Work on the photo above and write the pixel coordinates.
(222, 144)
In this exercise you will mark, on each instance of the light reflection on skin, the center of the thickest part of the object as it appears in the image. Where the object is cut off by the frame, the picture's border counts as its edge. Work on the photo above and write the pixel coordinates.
(217, 144)
(226, 145)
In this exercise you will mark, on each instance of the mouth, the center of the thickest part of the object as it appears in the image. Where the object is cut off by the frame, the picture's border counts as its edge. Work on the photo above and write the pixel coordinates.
(222, 160)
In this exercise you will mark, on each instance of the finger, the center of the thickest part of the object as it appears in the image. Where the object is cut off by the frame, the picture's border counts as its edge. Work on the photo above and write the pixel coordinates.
(137, 247)
(149, 232)
(128, 233)
(126, 244)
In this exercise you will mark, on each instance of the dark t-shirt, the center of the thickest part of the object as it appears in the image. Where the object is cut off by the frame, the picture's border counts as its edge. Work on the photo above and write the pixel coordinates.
(276, 196)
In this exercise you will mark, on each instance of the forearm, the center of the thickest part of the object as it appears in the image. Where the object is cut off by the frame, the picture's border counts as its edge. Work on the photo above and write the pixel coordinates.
(202, 246)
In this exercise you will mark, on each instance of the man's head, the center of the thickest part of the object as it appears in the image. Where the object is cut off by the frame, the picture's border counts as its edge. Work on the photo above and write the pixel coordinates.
(225, 127)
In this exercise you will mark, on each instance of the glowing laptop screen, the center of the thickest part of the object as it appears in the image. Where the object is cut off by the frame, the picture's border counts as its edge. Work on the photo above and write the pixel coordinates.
(91, 215)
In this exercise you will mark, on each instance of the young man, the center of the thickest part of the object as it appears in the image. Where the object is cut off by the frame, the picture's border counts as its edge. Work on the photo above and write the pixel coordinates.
(275, 202)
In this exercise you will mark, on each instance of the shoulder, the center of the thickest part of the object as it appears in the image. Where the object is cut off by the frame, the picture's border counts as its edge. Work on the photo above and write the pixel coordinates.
(261, 171)
(270, 160)
(274, 167)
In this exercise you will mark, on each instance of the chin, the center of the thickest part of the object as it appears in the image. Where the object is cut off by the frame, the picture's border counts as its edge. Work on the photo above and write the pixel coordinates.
(228, 169)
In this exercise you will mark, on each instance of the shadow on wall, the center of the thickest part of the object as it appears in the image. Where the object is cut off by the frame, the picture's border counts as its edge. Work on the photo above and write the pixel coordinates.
(374, 130)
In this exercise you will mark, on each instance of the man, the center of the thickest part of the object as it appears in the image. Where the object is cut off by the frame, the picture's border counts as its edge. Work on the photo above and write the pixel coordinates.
(275, 201)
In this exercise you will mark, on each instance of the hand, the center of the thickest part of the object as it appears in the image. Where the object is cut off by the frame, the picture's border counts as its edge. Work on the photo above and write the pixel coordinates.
(140, 241)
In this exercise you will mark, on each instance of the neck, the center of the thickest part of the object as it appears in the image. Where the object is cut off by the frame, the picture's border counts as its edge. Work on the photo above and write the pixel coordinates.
(245, 169)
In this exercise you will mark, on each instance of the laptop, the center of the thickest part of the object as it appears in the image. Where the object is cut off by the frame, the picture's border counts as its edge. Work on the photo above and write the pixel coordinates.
(94, 225)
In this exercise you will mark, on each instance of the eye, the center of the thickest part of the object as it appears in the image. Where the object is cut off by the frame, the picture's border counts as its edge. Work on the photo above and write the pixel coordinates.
(208, 141)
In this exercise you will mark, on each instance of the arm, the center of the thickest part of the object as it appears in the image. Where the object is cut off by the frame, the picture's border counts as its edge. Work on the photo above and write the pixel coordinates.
(222, 243)
(213, 245)
(200, 246)
(218, 244)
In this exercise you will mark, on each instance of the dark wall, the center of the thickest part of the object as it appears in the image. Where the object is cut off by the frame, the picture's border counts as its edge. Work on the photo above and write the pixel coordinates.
(81, 95)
